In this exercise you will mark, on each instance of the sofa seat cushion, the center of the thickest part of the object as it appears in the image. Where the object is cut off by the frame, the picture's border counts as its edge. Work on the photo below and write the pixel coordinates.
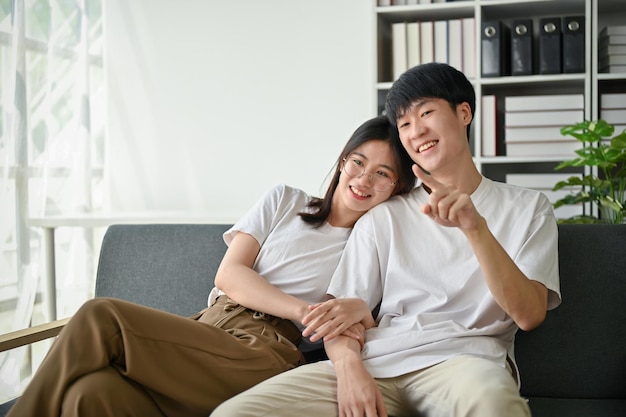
(570, 407)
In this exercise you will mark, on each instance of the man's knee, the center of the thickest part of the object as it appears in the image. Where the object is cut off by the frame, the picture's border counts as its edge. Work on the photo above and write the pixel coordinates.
(309, 390)
(490, 390)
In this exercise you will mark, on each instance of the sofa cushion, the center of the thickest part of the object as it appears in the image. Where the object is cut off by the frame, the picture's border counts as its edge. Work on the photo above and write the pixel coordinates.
(580, 349)
(166, 266)
(572, 407)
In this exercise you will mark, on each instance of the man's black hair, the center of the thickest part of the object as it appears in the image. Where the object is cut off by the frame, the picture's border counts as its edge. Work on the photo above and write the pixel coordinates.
(432, 80)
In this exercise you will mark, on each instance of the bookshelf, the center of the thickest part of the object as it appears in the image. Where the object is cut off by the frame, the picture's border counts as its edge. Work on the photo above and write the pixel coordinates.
(586, 87)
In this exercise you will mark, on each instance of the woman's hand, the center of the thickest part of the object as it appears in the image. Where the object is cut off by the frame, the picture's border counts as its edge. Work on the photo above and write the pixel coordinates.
(331, 318)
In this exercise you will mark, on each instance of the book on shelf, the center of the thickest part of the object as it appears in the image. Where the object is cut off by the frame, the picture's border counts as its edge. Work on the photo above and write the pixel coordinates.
(543, 118)
(495, 42)
(522, 47)
(413, 44)
(612, 50)
(468, 25)
(613, 116)
(614, 59)
(545, 102)
(427, 44)
(398, 48)
(611, 40)
(538, 181)
(440, 41)
(614, 69)
(544, 183)
(445, 41)
(613, 101)
(489, 125)
(573, 44)
(535, 134)
(455, 44)
(612, 30)
(550, 45)
(561, 148)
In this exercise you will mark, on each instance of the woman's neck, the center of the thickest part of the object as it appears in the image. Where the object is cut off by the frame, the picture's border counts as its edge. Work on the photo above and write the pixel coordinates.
(342, 218)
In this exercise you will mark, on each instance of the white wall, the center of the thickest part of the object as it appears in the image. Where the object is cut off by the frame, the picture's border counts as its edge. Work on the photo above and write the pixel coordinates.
(211, 102)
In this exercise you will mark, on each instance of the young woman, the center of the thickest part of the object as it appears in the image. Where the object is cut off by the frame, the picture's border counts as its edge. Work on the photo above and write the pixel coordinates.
(116, 358)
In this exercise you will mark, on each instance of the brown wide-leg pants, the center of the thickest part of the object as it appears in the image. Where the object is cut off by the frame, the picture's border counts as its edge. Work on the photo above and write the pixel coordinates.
(116, 358)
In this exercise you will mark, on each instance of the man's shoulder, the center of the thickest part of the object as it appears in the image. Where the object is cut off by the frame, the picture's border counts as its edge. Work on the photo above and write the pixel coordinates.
(386, 215)
(516, 200)
(397, 203)
(515, 191)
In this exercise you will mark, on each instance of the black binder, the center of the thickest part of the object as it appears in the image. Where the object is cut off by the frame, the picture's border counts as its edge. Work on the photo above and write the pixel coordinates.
(495, 49)
(574, 44)
(522, 47)
(550, 45)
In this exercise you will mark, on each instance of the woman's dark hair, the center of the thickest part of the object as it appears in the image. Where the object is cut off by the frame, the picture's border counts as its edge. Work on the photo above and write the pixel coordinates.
(431, 80)
(378, 128)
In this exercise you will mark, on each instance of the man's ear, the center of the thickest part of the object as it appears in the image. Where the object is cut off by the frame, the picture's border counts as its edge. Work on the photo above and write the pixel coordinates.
(465, 112)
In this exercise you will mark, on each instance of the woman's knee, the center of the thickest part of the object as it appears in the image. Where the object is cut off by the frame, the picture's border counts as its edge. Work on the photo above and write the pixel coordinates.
(107, 393)
(100, 310)
(98, 306)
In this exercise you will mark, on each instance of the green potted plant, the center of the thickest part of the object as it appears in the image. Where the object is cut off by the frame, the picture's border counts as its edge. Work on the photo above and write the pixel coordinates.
(604, 186)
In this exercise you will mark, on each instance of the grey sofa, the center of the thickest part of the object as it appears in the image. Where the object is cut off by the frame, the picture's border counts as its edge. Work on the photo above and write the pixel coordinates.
(573, 365)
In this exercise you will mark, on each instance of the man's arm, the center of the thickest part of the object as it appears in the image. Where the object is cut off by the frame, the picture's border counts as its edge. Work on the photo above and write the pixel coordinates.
(357, 392)
(524, 300)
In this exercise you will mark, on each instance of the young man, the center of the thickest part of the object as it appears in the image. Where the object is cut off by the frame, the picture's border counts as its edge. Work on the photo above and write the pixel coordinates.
(458, 265)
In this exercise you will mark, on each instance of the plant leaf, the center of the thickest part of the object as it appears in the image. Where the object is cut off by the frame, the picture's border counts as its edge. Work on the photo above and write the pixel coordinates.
(606, 186)
(611, 203)
(619, 141)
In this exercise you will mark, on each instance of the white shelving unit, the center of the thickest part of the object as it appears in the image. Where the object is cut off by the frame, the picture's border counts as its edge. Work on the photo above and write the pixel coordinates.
(591, 83)
(605, 13)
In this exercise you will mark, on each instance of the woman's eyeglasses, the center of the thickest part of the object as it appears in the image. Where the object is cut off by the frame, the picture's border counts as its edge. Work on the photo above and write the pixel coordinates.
(355, 168)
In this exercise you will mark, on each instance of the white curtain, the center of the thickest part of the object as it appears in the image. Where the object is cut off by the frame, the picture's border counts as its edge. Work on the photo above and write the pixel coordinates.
(52, 149)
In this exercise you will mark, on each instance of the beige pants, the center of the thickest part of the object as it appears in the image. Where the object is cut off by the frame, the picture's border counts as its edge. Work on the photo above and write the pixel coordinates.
(115, 358)
(462, 386)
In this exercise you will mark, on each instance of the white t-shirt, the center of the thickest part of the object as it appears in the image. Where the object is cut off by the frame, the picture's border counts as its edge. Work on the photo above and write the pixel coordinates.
(295, 257)
(436, 303)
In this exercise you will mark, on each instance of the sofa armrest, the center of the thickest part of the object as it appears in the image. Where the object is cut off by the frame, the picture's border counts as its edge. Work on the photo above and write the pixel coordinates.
(31, 335)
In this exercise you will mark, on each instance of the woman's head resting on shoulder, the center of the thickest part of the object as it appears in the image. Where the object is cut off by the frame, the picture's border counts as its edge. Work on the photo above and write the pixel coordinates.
(372, 167)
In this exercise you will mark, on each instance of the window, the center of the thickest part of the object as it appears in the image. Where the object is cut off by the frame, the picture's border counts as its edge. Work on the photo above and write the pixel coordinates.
(52, 151)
